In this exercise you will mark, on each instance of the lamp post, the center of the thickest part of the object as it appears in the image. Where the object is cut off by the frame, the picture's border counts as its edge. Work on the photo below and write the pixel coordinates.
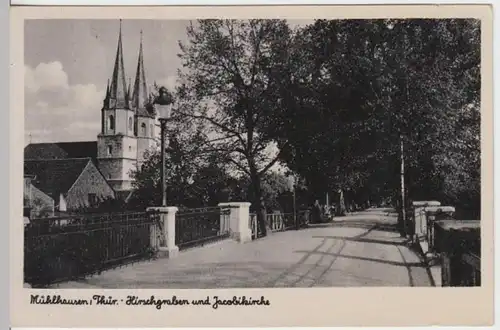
(163, 105)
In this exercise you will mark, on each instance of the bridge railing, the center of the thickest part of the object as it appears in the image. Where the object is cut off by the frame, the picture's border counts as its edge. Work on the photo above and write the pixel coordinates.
(279, 222)
(74, 246)
(64, 248)
(199, 226)
(455, 244)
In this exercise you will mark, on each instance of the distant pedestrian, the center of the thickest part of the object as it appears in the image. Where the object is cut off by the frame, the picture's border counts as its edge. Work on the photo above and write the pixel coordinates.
(333, 210)
(326, 211)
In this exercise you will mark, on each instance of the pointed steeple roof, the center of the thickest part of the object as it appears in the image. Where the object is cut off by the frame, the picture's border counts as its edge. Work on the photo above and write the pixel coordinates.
(118, 88)
(129, 97)
(107, 90)
(106, 98)
(140, 93)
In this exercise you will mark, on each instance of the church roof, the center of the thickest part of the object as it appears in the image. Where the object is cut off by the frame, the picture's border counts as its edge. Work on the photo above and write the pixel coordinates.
(118, 89)
(61, 150)
(140, 92)
(55, 176)
(119, 93)
(140, 97)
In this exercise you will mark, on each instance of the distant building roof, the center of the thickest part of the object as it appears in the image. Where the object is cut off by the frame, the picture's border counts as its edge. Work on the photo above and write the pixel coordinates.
(55, 176)
(61, 150)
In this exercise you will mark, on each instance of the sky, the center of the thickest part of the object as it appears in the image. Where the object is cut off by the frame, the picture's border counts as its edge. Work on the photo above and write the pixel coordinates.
(68, 64)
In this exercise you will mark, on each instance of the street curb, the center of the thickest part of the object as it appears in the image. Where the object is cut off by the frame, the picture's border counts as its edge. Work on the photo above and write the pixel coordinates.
(433, 267)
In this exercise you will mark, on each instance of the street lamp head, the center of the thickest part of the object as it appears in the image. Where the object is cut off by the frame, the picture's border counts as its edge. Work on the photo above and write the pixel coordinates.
(163, 103)
(164, 111)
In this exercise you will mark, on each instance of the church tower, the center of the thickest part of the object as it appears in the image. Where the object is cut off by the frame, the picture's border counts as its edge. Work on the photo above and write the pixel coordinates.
(117, 143)
(144, 111)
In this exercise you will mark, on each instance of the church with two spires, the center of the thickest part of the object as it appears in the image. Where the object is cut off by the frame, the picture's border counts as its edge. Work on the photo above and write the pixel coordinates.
(128, 126)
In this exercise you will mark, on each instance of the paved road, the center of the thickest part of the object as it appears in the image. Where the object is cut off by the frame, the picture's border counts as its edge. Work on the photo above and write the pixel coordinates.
(361, 249)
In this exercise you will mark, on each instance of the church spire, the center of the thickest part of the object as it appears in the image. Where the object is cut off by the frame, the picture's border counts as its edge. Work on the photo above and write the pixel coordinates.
(118, 91)
(140, 94)
(128, 89)
(107, 90)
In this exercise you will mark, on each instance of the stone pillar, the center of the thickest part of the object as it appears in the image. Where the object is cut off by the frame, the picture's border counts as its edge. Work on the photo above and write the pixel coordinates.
(430, 217)
(167, 220)
(420, 218)
(239, 217)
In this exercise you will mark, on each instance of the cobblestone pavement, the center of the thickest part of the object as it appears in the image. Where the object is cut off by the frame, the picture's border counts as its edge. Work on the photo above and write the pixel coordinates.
(361, 249)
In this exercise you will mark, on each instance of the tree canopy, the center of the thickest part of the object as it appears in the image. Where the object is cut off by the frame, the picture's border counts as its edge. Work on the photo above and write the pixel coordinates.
(333, 101)
(360, 87)
(230, 70)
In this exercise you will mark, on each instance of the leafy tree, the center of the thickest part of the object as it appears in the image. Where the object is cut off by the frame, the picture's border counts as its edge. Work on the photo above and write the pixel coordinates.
(191, 180)
(360, 87)
(231, 69)
(186, 154)
(210, 183)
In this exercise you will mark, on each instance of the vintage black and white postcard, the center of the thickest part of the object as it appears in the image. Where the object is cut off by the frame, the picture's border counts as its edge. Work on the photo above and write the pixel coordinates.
(251, 166)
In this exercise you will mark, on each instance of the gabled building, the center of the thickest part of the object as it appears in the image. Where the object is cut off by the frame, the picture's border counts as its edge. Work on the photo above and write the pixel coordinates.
(71, 184)
(127, 130)
(35, 202)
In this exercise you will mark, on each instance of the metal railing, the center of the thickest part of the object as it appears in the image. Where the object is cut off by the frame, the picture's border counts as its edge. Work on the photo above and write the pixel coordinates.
(279, 222)
(71, 247)
(195, 227)
(254, 226)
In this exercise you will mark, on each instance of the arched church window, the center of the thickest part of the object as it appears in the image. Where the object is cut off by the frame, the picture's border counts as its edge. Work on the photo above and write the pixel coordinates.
(130, 123)
(143, 129)
(111, 122)
(110, 150)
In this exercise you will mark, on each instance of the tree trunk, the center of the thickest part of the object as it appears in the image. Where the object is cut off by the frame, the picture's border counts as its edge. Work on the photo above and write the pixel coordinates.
(258, 202)
(342, 204)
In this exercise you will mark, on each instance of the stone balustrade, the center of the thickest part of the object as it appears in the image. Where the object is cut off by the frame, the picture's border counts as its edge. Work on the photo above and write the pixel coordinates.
(234, 220)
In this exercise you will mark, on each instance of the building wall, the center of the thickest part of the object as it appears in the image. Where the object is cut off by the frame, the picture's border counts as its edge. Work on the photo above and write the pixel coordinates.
(145, 137)
(40, 203)
(116, 167)
(27, 192)
(108, 130)
(121, 146)
(143, 126)
(117, 172)
(63, 206)
(121, 119)
(144, 145)
(89, 182)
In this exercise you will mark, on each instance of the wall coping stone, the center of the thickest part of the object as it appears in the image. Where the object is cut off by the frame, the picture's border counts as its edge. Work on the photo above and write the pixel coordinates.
(163, 209)
(434, 209)
(235, 204)
(426, 203)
